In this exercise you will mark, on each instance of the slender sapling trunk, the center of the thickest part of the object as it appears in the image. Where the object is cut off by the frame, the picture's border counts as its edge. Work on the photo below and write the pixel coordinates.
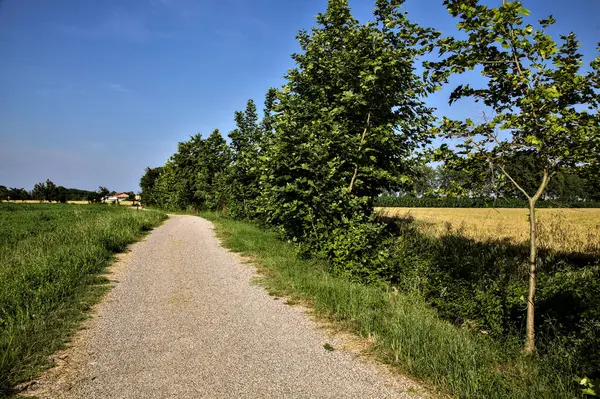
(530, 338)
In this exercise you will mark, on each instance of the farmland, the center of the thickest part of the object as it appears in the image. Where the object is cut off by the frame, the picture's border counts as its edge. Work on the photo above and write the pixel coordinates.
(470, 264)
(563, 230)
(51, 260)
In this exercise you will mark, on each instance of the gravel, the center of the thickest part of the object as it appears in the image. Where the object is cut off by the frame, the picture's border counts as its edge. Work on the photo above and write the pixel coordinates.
(185, 321)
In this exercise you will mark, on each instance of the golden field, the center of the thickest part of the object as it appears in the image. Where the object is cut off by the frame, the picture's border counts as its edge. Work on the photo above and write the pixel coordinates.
(565, 230)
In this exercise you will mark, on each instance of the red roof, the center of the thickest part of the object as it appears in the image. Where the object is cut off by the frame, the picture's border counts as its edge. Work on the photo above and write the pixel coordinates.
(122, 195)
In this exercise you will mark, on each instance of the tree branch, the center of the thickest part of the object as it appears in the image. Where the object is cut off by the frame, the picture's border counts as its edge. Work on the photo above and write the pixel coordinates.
(362, 142)
(542, 187)
(514, 182)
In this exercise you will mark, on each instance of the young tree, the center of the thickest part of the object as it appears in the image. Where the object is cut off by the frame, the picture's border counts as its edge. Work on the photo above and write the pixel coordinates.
(50, 191)
(542, 103)
(103, 192)
(187, 164)
(249, 142)
(169, 189)
(147, 184)
(61, 195)
(347, 120)
(268, 121)
(245, 144)
(212, 166)
(39, 191)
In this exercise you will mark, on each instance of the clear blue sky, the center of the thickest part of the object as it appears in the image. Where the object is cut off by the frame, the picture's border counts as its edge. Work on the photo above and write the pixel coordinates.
(93, 91)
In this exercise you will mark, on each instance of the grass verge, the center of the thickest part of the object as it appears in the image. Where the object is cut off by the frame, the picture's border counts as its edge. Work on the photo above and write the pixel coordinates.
(405, 332)
(51, 262)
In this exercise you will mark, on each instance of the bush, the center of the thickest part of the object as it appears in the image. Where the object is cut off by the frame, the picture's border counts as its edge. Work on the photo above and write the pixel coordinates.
(358, 248)
(483, 285)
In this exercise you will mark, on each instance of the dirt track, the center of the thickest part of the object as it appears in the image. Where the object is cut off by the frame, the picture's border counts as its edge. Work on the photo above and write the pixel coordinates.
(184, 321)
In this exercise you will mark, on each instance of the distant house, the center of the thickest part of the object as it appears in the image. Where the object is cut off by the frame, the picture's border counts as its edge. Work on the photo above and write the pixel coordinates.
(122, 196)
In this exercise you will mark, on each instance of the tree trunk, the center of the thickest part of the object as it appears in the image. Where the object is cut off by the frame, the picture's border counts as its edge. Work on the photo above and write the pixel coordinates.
(362, 142)
(530, 338)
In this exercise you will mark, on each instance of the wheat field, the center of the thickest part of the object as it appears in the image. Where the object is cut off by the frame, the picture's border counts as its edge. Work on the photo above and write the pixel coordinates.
(565, 230)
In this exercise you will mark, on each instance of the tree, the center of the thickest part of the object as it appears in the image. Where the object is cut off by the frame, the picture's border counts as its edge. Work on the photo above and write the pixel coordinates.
(186, 164)
(268, 121)
(542, 103)
(39, 191)
(569, 187)
(50, 191)
(16, 194)
(3, 193)
(93, 197)
(591, 174)
(194, 176)
(61, 195)
(169, 188)
(347, 121)
(147, 184)
(211, 176)
(424, 182)
(103, 192)
(248, 142)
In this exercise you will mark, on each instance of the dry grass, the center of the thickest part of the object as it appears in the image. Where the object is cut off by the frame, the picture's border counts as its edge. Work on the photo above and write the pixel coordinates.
(565, 230)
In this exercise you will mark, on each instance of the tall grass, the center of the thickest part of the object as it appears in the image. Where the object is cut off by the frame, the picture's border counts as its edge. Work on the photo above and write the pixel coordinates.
(405, 331)
(51, 260)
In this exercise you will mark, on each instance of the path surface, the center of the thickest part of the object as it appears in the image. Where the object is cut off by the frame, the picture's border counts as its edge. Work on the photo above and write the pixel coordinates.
(185, 321)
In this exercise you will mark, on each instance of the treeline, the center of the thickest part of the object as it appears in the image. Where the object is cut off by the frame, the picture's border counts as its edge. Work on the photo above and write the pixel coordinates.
(569, 187)
(48, 191)
(408, 201)
(351, 124)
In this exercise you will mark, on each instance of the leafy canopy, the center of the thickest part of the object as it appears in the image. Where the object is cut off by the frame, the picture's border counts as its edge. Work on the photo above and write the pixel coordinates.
(541, 101)
(348, 119)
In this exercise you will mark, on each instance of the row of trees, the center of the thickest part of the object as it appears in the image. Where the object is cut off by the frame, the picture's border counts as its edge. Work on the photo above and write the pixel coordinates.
(567, 186)
(48, 191)
(351, 123)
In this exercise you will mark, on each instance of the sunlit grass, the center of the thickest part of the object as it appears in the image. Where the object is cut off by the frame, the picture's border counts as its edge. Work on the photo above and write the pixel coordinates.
(404, 331)
(51, 260)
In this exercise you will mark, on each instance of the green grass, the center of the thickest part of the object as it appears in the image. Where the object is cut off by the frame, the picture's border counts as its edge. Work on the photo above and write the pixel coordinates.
(406, 332)
(51, 262)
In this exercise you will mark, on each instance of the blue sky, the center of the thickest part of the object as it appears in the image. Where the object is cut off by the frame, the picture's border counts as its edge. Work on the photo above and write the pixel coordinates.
(93, 91)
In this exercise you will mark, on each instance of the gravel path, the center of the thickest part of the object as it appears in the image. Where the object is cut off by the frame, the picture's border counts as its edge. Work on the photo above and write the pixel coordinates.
(184, 321)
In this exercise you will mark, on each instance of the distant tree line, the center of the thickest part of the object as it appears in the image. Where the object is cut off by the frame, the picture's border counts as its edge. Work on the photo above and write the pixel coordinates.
(569, 186)
(50, 192)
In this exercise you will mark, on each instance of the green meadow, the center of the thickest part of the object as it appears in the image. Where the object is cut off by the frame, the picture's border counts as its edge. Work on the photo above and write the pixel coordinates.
(52, 261)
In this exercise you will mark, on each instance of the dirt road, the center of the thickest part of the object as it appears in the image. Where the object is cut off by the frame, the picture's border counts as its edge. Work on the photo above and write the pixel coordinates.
(185, 321)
